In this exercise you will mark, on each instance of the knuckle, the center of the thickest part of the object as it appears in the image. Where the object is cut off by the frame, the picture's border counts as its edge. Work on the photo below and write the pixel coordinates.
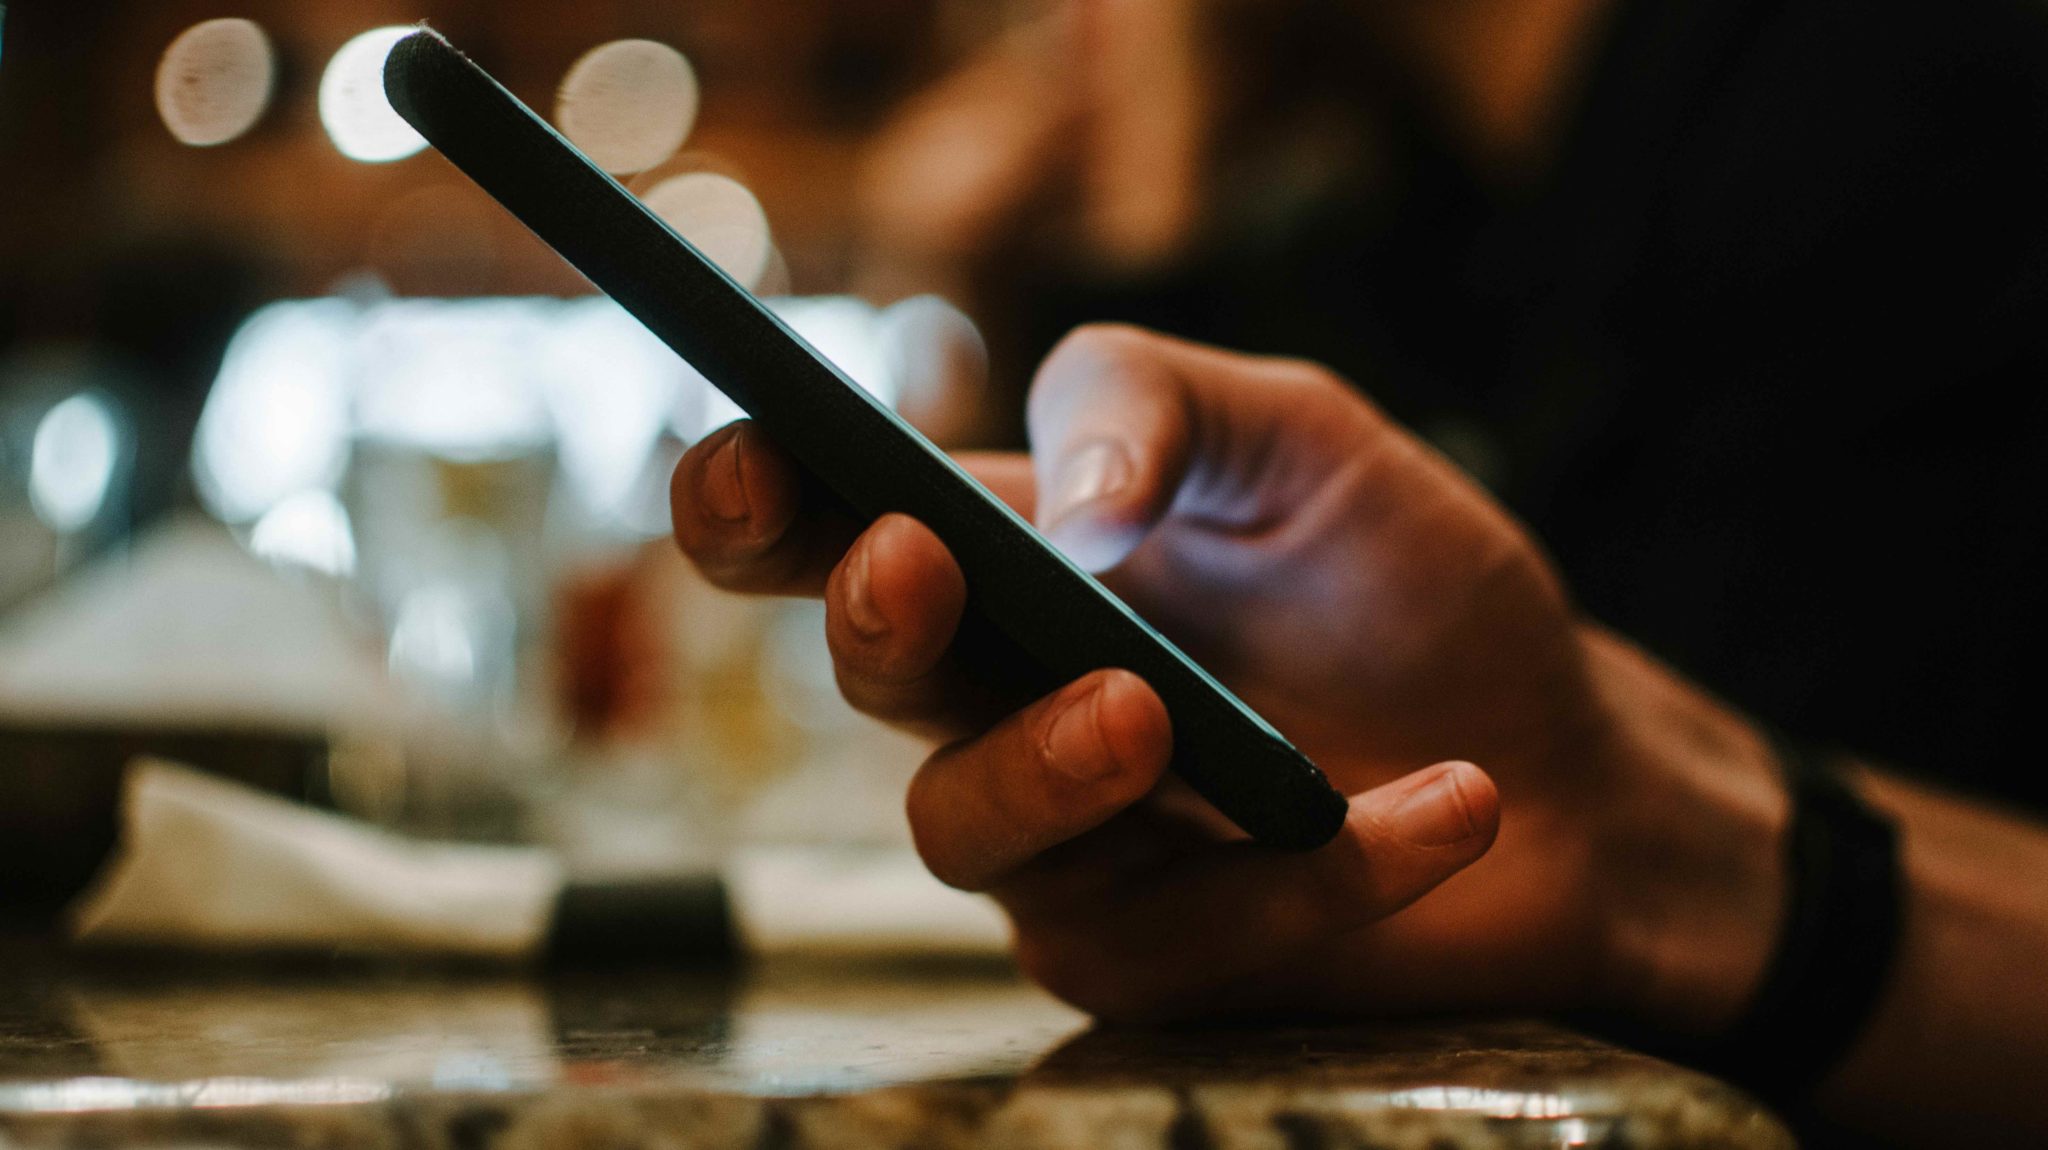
(1104, 344)
(1313, 386)
(1317, 379)
(723, 562)
(884, 677)
(884, 668)
(1088, 355)
(723, 552)
(1507, 567)
(871, 696)
(738, 566)
(1320, 388)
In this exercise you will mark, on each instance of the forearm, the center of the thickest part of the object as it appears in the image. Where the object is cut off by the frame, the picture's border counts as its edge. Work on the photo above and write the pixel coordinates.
(1692, 864)
(1959, 1043)
(1959, 1047)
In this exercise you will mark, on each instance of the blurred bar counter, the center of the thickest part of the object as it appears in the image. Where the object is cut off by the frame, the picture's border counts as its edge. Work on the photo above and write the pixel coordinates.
(787, 1057)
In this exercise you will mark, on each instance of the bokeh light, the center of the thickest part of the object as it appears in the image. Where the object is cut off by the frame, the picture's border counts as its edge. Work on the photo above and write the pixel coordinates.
(628, 104)
(452, 637)
(214, 81)
(277, 420)
(457, 379)
(720, 218)
(71, 462)
(309, 529)
(939, 361)
(307, 387)
(432, 641)
(847, 331)
(609, 385)
(360, 121)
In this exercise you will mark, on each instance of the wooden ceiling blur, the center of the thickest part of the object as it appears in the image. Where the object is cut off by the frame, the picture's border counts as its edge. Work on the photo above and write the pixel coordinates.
(790, 89)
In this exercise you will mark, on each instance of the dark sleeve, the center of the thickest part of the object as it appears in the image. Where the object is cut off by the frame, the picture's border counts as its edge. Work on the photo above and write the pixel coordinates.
(1816, 483)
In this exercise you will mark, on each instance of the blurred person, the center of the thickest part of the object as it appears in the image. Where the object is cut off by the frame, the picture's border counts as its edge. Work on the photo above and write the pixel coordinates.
(1731, 306)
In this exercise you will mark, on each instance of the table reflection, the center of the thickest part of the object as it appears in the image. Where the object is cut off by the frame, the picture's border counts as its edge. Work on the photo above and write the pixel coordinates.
(786, 1054)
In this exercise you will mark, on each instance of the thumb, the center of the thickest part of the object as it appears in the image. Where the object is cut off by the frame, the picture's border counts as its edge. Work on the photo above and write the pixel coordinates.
(1128, 426)
(1221, 915)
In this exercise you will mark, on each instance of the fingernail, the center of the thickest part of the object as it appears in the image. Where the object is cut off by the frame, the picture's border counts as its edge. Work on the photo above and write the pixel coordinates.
(1096, 470)
(724, 497)
(867, 620)
(1437, 815)
(1073, 740)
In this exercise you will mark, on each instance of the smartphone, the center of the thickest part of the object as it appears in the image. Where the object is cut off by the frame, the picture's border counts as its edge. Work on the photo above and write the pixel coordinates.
(1035, 604)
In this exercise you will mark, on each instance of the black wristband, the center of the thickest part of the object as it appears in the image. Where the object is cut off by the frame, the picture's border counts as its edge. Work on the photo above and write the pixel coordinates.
(1843, 915)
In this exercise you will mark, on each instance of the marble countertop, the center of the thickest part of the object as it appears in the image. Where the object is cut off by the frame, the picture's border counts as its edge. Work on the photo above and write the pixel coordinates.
(328, 1056)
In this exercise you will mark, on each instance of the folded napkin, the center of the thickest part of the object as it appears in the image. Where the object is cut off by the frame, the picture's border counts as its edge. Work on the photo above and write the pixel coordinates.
(208, 864)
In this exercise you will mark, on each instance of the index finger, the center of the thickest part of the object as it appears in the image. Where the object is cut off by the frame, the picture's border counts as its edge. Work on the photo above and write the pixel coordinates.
(745, 515)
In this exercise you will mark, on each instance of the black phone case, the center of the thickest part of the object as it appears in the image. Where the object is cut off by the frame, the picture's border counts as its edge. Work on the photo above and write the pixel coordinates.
(1057, 614)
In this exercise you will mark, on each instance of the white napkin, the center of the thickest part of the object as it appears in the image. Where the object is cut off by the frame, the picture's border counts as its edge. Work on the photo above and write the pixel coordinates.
(209, 864)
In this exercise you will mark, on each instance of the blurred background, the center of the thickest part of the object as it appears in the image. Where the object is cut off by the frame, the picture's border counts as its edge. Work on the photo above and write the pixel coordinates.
(316, 469)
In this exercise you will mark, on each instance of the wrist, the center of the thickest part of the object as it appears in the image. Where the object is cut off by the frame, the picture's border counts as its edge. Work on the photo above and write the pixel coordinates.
(1689, 848)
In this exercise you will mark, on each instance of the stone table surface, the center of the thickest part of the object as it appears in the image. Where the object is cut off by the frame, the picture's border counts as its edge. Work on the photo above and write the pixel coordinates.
(143, 1052)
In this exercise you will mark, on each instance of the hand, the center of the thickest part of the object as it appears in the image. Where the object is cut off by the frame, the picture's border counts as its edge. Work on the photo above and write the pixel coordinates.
(1346, 582)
